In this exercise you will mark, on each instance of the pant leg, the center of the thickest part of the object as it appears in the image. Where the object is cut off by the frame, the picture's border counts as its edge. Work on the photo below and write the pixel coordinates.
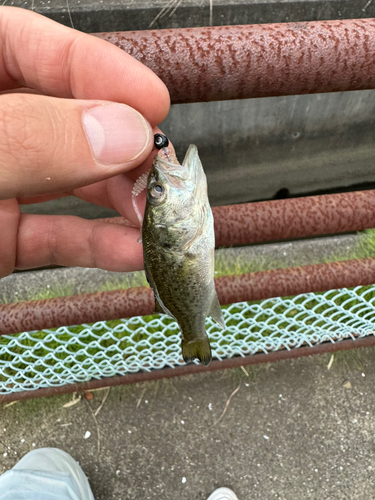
(45, 474)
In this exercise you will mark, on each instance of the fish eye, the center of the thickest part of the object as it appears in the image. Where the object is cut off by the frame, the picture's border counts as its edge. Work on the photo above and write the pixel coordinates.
(160, 141)
(157, 191)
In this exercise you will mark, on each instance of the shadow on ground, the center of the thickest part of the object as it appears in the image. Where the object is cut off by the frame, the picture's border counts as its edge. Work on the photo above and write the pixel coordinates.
(293, 430)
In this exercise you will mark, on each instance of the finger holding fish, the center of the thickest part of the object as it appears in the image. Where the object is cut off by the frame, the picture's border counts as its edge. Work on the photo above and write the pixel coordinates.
(88, 243)
(116, 193)
(113, 193)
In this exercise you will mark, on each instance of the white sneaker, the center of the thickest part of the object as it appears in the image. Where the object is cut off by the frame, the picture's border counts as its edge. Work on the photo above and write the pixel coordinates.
(223, 494)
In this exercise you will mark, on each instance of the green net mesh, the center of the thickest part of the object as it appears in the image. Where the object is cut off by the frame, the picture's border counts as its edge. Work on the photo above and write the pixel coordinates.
(55, 357)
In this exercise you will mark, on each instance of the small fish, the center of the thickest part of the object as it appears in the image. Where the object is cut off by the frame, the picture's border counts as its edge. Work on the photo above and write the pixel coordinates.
(178, 247)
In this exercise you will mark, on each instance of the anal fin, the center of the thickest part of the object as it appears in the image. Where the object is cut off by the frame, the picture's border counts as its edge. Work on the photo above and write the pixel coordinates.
(216, 313)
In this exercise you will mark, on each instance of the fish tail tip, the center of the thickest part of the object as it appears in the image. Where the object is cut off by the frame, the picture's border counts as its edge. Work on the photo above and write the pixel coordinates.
(200, 349)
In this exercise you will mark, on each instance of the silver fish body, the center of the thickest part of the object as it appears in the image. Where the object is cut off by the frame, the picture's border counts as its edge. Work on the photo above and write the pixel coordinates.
(178, 246)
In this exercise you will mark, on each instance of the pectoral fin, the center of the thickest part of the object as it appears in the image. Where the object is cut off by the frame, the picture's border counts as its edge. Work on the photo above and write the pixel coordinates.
(158, 307)
(216, 312)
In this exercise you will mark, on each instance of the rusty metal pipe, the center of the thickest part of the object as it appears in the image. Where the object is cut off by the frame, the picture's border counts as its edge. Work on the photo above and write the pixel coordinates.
(237, 62)
(295, 280)
(88, 308)
(132, 378)
(292, 218)
(75, 310)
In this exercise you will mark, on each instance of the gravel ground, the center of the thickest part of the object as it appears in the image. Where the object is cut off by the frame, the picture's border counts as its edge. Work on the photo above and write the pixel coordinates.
(288, 430)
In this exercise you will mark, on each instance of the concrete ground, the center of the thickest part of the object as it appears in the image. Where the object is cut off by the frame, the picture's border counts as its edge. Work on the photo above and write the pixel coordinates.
(291, 430)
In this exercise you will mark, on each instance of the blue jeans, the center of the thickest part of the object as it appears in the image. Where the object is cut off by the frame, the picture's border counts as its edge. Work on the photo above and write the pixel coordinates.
(45, 474)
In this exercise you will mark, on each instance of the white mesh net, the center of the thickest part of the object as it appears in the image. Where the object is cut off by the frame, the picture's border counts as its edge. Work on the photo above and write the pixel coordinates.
(33, 360)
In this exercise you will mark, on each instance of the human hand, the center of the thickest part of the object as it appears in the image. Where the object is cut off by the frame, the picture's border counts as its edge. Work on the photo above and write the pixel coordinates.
(60, 136)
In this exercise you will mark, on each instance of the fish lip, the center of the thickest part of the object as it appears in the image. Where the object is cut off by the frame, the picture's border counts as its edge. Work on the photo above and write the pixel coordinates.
(196, 172)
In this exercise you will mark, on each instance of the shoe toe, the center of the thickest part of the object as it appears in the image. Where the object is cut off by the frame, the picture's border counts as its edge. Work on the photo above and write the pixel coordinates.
(223, 494)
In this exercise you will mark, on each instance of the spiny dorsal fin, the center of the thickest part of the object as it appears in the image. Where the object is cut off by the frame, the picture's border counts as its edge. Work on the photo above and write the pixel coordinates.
(216, 313)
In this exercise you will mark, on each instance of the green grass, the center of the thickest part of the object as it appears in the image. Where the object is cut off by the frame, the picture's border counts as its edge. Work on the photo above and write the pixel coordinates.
(43, 343)
(223, 267)
(117, 283)
(364, 248)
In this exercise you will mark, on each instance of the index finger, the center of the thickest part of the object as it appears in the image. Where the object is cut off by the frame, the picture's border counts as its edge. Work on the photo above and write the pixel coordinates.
(38, 53)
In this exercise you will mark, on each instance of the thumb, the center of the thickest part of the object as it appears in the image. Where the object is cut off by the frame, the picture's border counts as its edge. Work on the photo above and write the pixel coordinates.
(49, 144)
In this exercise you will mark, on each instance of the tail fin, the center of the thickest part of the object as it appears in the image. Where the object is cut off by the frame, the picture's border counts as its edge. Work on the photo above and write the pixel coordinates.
(200, 349)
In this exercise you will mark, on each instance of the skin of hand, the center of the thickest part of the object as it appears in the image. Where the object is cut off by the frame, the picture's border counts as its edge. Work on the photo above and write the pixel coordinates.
(77, 117)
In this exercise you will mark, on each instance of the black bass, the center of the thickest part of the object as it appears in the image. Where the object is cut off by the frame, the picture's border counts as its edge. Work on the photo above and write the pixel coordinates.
(178, 248)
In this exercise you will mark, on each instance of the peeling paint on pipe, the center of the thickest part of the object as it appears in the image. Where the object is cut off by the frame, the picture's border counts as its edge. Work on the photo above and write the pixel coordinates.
(238, 62)
(292, 218)
(88, 308)
(75, 310)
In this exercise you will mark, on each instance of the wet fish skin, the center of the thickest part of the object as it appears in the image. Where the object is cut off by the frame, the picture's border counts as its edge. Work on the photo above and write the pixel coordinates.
(178, 246)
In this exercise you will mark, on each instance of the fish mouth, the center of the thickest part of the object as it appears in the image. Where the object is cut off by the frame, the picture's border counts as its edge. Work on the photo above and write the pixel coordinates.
(169, 169)
(189, 175)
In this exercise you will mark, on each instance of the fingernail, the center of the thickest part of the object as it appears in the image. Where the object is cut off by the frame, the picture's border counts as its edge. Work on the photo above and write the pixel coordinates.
(116, 133)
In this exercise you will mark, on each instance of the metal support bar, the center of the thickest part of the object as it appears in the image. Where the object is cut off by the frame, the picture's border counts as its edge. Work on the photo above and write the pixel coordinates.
(88, 308)
(278, 220)
(238, 62)
(294, 218)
